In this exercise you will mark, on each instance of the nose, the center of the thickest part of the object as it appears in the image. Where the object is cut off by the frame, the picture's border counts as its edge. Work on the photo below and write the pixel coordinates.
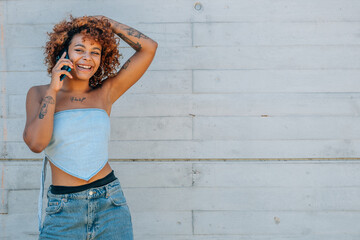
(86, 55)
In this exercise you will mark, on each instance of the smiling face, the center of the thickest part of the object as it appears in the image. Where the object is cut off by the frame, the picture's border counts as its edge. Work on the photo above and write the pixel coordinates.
(85, 55)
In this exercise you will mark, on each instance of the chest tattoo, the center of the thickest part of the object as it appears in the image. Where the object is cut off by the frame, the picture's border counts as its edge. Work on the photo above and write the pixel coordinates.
(75, 99)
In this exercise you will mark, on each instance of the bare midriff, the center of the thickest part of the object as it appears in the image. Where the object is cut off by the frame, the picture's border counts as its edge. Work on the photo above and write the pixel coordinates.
(61, 178)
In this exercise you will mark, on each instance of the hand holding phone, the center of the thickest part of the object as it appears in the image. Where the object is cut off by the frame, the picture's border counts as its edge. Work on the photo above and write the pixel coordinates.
(66, 68)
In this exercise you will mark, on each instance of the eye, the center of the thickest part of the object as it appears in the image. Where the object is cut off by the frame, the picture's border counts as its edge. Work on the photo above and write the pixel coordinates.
(78, 50)
(96, 53)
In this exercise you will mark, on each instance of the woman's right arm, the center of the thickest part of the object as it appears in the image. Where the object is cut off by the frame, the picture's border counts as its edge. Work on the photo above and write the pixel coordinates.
(39, 118)
(40, 109)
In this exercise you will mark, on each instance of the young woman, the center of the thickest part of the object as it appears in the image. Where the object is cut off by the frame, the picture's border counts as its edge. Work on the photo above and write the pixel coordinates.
(69, 120)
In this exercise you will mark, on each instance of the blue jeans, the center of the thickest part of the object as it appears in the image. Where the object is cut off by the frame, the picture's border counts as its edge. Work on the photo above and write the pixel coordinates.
(96, 213)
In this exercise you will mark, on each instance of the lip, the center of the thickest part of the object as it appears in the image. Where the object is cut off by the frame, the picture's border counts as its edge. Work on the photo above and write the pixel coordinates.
(83, 69)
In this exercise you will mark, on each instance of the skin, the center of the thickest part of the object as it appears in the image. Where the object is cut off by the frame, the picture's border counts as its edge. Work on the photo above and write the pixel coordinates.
(74, 91)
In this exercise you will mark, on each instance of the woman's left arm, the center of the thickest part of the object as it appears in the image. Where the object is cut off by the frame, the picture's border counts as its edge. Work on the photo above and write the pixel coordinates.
(136, 65)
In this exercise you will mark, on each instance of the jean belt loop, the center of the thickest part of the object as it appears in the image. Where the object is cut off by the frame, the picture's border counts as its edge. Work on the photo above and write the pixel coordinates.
(107, 191)
(65, 197)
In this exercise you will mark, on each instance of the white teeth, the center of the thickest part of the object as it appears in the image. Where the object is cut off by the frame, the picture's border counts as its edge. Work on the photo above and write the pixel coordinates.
(83, 66)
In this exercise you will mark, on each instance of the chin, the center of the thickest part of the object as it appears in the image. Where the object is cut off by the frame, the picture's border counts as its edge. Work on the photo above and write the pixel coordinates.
(84, 78)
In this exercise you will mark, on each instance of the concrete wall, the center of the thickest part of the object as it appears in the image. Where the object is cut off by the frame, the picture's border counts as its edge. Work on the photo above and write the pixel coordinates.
(213, 200)
(244, 127)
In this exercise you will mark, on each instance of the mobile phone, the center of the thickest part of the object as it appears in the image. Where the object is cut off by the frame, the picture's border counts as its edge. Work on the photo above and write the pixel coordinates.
(67, 68)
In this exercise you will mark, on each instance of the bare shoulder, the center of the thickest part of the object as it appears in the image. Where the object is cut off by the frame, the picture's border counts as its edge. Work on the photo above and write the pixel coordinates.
(42, 89)
(36, 93)
(33, 101)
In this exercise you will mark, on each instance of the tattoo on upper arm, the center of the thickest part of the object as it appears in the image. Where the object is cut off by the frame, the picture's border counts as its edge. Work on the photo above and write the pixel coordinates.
(125, 66)
(135, 33)
(44, 106)
(136, 46)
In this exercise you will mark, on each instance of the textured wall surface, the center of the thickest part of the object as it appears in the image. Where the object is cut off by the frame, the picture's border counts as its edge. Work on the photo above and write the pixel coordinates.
(244, 127)
(212, 200)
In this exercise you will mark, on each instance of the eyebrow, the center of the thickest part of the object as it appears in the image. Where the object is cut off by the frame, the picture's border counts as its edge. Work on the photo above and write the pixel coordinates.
(84, 46)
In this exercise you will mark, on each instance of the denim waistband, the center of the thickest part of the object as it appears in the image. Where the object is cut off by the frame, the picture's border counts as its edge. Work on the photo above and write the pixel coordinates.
(90, 193)
(73, 189)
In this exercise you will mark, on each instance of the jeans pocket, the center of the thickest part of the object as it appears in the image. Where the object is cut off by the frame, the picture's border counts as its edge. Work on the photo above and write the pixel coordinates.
(117, 197)
(55, 205)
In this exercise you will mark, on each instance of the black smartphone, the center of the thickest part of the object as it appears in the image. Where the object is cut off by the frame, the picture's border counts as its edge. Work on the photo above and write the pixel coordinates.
(67, 68)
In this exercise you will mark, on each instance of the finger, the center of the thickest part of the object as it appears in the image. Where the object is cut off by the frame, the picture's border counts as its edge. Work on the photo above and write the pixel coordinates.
(63, 55)
(65, 62)
(66, 73)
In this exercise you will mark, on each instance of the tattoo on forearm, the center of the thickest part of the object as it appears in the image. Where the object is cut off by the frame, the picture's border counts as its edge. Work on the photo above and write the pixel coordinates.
(135, 33)
(75, 99)
(125, 66)
(136, 46)
(44, 106)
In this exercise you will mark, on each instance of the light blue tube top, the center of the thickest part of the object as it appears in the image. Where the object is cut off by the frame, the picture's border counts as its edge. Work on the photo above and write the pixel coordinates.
(79, 144)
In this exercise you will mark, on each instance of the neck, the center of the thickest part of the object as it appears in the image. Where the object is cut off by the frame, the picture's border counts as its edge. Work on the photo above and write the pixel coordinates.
(76, 85)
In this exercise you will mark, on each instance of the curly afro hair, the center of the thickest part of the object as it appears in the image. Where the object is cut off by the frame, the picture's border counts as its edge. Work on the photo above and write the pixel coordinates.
(92, 28)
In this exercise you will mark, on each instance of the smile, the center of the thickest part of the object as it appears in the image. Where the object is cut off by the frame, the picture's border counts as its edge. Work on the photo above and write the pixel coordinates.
(84, 66)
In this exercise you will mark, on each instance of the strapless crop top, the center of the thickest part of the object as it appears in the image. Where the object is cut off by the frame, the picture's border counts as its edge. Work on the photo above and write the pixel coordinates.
(79, 143)
(78, 146)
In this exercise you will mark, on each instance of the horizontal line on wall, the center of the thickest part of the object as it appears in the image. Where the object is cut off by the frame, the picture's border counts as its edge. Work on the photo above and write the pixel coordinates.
(221, 46)
(202, 22)
(204, 159)
(230, 69)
